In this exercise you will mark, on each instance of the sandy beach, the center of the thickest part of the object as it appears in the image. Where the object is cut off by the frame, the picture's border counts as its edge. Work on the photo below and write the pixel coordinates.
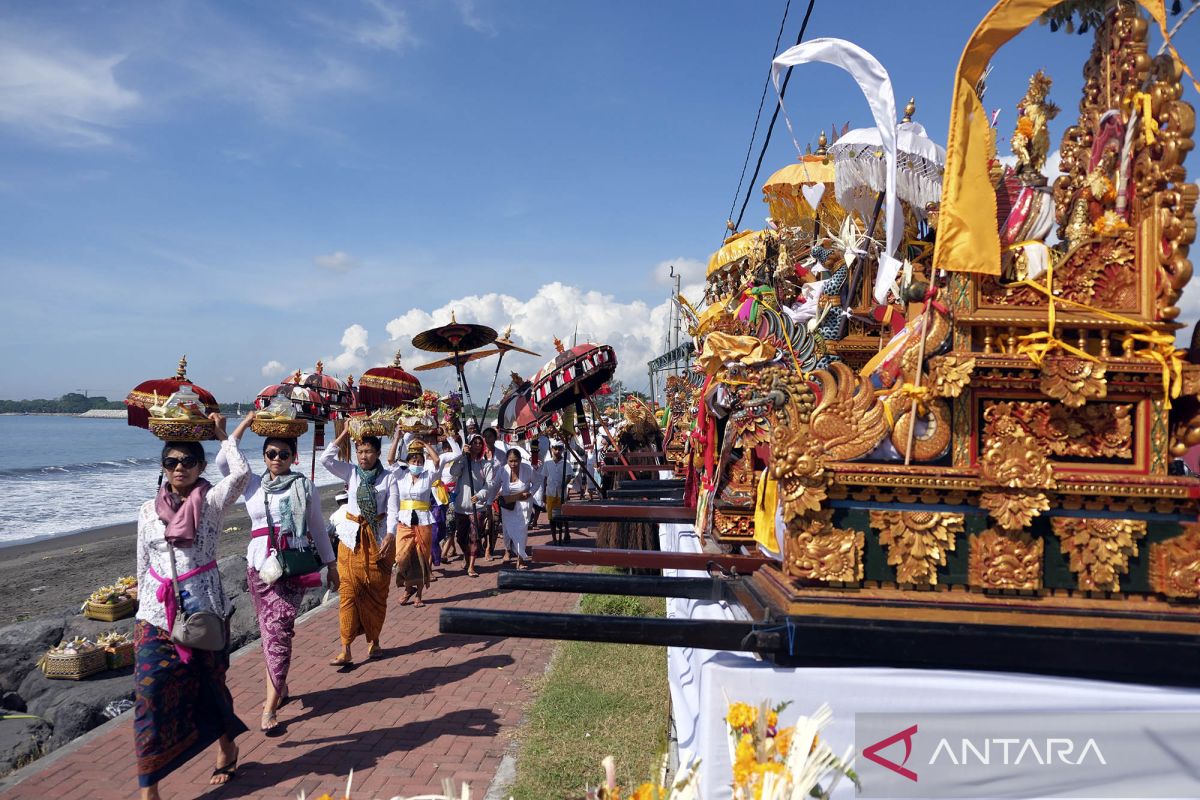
(57, 574)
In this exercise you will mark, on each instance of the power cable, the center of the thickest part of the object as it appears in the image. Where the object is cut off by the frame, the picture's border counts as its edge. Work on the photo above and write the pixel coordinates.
(758, 116)
(767, 141)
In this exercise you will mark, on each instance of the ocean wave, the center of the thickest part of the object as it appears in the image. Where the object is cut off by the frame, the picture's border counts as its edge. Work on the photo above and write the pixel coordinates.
(44, 502)
(76, 469)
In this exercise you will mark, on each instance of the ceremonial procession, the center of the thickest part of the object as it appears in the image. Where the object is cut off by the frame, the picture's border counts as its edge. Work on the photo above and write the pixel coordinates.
(897, 495)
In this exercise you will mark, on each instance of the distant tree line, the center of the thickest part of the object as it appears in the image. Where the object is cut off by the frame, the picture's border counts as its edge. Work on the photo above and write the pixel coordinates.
(76, 403)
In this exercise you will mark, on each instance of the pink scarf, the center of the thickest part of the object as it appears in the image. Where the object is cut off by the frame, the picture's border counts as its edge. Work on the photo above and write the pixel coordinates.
(181, 516)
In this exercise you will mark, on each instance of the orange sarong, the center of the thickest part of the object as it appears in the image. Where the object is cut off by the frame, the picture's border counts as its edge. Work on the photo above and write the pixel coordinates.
(414, 555)
(365, 583)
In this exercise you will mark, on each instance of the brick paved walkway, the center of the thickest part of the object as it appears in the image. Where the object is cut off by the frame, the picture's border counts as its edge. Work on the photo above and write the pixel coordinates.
(434, 707)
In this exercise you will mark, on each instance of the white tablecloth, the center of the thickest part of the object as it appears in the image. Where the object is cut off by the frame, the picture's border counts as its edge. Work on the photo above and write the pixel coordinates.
(703, 682)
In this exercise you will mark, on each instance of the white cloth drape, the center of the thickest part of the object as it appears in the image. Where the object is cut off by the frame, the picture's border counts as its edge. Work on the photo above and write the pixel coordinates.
(876, 86)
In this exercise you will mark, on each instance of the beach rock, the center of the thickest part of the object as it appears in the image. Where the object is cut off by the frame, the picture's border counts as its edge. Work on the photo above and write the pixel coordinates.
(243, 625)
(75, 707)
(93, 629)
(22, 644)
(21, 741)
(233, 575)
(312, 599)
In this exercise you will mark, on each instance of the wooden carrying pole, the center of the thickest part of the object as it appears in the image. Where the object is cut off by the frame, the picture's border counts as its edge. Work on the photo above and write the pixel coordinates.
(647, 559)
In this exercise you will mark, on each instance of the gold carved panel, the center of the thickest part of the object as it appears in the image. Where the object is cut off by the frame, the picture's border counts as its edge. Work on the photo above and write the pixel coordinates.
(1098, 550)
(917, 542)
(815, 550)
(1175, 565)
(1005, 560)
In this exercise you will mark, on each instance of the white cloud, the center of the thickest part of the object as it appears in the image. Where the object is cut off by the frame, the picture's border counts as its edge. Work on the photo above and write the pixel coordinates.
(386, 27)
(273, 370)
(336, 261)
(635, 330)
(470, 17)
(354, 351)
(67, 96)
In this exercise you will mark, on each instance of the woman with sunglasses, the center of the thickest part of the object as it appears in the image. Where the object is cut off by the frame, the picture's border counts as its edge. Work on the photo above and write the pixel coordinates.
(366, 554)
(285, 511)
(182, 704)
(412, 505)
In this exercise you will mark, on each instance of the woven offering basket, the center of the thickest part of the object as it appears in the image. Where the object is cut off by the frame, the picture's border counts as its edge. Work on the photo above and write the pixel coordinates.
(183, 430)
(74, 666)
(281, 428)
(111, 612)
(360, 427)
(120, 655)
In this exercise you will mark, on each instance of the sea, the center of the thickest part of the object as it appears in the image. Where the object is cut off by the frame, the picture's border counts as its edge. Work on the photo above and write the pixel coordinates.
(64, 474)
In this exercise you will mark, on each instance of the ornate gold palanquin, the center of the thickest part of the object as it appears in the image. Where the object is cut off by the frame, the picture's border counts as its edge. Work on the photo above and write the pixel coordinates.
(1016, 469)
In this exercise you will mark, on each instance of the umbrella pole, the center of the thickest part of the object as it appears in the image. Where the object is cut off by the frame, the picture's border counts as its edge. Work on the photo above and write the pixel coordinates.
(462, 387)
(466, 445)
(495, 376)
(312, 469)
(612, 439)
(857, 270)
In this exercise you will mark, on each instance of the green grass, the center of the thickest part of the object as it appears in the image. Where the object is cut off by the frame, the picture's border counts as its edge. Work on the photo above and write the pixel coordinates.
(596, 700)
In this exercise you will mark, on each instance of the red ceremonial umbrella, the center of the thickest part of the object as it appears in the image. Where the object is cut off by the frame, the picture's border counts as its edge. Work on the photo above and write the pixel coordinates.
(142, 396)
(387, 387)
(307, 403)
(519, 418)
(332, 393)
(573, 375)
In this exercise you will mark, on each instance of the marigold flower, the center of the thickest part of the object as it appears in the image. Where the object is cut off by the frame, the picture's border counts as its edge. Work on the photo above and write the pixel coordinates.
(744, 758)
(741, 716)
(783, 740)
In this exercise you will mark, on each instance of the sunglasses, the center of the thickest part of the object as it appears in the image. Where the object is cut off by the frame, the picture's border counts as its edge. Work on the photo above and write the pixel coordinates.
(187, 462)
(282, 455)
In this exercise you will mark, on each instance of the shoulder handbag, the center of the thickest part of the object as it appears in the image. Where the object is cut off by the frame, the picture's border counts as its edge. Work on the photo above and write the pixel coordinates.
(293, 562)
(202, 630)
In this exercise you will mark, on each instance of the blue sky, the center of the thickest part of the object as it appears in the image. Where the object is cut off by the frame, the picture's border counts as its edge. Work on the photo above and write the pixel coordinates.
(263, 184)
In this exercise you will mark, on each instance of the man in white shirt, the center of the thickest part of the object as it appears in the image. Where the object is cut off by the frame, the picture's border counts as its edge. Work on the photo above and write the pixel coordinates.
(556, 490)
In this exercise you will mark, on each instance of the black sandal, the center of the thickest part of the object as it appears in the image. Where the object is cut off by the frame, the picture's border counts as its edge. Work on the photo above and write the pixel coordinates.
(229, 771)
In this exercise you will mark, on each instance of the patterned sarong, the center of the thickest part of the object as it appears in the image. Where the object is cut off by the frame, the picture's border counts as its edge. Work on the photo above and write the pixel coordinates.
(365, 583)
(276, 607)
(180, 709)
(414, 556)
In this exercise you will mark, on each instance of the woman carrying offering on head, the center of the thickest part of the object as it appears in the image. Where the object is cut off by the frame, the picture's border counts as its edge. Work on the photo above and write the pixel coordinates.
(285, 512)
(182, 704)
(367, 553)
(437, 468)
(513, 486)
(412, 505)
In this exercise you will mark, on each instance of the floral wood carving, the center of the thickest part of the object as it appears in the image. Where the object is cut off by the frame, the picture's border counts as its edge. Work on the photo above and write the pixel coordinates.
(1005, 560)
(1011, 456)
(1074, 381)
(1098, 550)
(1097, 430)
(917, 542)
(950, 374)
(815, 550)
(1175, 565)
(1014, 509)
